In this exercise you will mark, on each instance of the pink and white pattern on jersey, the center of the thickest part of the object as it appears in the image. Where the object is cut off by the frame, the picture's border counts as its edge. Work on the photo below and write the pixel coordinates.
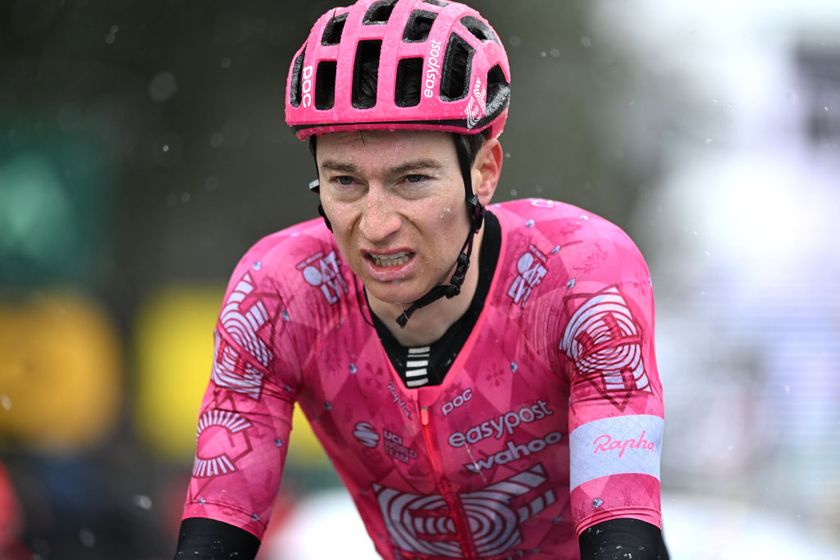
(422, 524)
(545, 424)
(603, 338)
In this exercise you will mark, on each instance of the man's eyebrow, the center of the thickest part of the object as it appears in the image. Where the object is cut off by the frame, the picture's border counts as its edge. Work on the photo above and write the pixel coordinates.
(330, 165)
(416, 165)
(413, 165)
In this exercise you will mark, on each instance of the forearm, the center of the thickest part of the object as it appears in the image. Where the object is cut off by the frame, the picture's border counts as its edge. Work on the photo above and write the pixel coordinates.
(207, 539)
(622, 539)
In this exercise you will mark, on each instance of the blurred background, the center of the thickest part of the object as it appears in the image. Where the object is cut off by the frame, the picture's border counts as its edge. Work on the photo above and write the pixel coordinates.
(143, 150)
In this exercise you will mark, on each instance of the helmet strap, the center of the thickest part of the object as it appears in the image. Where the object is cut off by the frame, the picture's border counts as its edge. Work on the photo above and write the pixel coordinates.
(315, 186)
(476, 215)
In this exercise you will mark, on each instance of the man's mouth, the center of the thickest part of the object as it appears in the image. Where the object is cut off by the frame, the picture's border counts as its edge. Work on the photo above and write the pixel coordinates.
(395, 259)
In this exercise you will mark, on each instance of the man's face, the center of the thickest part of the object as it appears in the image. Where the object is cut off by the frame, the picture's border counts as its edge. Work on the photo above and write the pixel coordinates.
(396, 204)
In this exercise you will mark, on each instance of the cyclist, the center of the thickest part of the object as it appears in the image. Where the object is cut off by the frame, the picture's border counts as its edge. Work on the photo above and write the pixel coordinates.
(482, 376)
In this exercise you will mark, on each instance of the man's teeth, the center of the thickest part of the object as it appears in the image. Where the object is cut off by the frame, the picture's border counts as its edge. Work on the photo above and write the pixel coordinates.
(390, 260)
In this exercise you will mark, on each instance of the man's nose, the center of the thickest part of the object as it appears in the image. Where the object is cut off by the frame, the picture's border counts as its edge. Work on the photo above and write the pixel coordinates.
(380, 218)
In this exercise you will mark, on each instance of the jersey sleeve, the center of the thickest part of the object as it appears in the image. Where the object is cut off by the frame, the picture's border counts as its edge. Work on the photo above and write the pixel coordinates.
(245, 417)
(615, 405)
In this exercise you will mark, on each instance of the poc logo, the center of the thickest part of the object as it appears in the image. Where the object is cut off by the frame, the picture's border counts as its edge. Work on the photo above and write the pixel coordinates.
(324, 272)
(457, 402)
(306, 86)
(531, 269)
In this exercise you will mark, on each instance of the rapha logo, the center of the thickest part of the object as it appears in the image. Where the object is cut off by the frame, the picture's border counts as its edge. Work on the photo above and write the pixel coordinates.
(476, 107)
(606, 443)
(324, 272)
(531, 269)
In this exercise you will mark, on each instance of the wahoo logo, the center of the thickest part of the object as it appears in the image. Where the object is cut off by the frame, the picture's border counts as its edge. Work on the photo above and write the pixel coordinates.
(241, 356)
(476, 107)
(424, 524)
(324, 272)
(602, 337)
(514, 452)
(531, 269)
(218, 464)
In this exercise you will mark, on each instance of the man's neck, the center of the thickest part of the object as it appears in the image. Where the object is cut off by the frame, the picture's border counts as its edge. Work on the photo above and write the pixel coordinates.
(429, 323)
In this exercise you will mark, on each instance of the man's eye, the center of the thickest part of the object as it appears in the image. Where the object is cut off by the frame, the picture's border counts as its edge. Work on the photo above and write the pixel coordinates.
(415, 178)
(344, 180)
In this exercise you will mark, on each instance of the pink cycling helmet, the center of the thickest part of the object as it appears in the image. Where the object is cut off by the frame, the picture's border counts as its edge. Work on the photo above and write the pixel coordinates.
(434, 64)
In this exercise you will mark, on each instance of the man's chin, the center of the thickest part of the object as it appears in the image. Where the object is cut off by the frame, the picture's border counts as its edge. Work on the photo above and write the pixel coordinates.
(393, 294)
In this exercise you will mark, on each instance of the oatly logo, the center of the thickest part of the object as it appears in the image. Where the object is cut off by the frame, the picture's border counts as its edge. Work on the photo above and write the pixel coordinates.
(432, 69)
(476, 107)
(324, 272)
(606, 443)
(531, 269)
(503, 424)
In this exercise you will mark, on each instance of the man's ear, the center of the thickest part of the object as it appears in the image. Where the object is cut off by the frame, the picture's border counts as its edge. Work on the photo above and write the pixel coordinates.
(487, 169)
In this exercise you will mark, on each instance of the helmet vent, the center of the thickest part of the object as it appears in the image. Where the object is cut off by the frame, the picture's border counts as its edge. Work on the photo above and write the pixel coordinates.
(478, 28)
(379, 12)
(409, 72)
(498, 91)
(294, 84)
(325, 85)
(456, 69)
(419, 24)
(439, 3)
(366, 74)
(333, 30)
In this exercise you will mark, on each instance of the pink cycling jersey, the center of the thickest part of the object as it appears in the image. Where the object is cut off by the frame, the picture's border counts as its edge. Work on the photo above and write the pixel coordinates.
(549, 421)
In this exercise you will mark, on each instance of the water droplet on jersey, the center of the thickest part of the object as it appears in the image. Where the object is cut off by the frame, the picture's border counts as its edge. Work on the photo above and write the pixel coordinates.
(257, 265)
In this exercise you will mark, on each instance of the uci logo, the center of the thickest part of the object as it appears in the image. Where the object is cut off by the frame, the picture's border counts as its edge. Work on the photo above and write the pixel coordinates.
(306, 87)
(458, 401)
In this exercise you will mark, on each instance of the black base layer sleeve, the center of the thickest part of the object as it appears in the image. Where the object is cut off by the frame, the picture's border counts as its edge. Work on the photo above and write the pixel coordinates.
(620, 539)
(207, 539)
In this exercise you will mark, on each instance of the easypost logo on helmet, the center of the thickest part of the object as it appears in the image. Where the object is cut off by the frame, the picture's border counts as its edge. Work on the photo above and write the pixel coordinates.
(476, 108)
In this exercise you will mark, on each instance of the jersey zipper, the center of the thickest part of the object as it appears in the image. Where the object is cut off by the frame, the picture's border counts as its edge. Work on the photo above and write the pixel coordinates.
(459, 516)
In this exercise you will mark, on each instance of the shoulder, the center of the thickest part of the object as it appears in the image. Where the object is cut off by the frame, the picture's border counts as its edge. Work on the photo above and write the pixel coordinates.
(583, 240)
(292, 256)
